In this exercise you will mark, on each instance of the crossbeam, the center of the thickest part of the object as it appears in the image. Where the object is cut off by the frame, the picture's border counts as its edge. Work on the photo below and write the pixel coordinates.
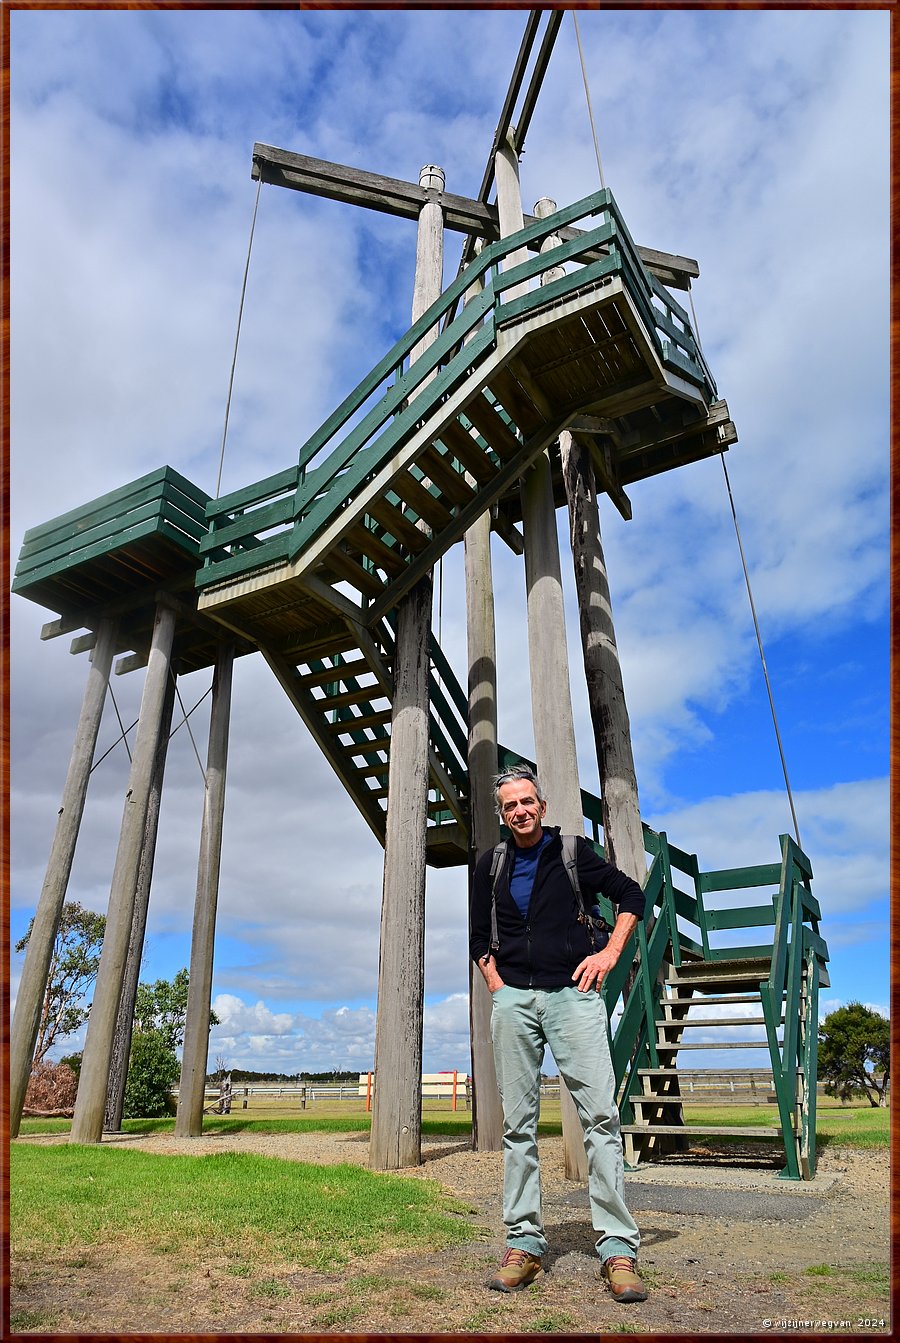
(392, 195)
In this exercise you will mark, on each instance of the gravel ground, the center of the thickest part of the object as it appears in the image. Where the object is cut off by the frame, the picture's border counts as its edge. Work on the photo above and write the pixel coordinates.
(725, 1249)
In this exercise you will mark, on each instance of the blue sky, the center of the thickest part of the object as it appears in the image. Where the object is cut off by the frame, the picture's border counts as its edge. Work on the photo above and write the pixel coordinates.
(755, 141)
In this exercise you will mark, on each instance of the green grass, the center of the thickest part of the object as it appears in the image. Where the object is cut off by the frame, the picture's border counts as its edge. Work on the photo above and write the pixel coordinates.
(556, 1322)
(20, 1320)
(245, 1207)
(342, 1314)
(268, 1289)
(843, 1126)
(854, 1125)
(324, 1117)
(871, 1285)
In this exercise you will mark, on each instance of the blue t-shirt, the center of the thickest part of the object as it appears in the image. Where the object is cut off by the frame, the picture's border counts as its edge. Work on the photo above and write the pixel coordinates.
(521, 881)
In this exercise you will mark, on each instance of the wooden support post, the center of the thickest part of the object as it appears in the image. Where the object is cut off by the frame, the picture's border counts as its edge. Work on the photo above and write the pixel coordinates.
(544, 208)
(396, 1110)
(487, 1110)
(90, 1104)
(551, 708)
(554, 727)
(396, 1138)
(622, 832)
(189, 1118)
(32, 986)
(509, 205)
(118, 1069)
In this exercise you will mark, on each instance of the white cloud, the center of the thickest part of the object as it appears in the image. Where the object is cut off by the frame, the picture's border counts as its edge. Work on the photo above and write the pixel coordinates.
(844, 830)
(239, 1018)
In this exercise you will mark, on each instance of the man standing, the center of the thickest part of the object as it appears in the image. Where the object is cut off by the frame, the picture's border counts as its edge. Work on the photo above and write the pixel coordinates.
(544, 965)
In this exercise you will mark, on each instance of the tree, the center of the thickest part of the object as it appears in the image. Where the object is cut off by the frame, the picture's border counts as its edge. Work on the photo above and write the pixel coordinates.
(855, 1053)
(162, 1007)
(73, 1061)
(73, 968)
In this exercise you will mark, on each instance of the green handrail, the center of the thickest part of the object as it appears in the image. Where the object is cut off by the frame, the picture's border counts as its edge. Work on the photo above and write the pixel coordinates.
(274, 520)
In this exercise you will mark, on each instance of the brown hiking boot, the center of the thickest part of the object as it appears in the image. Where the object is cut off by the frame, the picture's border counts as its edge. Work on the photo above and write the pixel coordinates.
(517, 1269)
(620, 1272)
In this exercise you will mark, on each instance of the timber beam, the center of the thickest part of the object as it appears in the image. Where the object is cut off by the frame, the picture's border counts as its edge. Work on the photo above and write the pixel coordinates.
(391, 195)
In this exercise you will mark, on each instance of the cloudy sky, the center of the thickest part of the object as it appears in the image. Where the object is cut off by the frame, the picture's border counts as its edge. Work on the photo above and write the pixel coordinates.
(754, 141)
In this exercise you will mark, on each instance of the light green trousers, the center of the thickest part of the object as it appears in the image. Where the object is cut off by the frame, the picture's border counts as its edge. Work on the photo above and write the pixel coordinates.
(574, 1025)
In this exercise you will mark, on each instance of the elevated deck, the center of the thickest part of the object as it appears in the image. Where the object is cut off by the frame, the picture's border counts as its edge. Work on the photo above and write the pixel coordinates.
(114, 556)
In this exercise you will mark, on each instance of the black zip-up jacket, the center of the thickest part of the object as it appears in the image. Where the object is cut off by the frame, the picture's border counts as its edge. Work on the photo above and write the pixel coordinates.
(543, 951)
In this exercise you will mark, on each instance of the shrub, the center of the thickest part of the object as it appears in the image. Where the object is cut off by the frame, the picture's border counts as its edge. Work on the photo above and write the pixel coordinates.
(52, 1086)
(152, 1069)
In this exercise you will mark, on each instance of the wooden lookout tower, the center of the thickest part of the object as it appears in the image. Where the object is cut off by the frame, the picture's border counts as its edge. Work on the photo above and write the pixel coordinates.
(558, 364)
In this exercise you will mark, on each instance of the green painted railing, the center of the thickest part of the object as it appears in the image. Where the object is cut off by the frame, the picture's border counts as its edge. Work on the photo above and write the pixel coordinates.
(796, 953)
(274, 520)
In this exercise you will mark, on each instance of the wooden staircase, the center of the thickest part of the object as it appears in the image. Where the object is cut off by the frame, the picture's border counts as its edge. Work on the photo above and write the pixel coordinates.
(682, 980)
(699, 985)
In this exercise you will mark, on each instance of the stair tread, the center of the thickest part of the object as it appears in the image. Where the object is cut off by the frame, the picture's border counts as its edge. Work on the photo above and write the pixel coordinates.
(702, 1130)
(715, 1044)
(709, 998)
(684, 1022)
(725, 965)
(721, 982)
(693, 1098)
(656, 1100)
(684, 1072)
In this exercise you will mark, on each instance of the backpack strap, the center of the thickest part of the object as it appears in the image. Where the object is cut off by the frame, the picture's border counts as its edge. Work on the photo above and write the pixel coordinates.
(570, 862)
(598, 928)
(498, 862)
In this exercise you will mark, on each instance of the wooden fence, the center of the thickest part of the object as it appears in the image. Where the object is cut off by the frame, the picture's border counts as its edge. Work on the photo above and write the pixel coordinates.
(452, 1090)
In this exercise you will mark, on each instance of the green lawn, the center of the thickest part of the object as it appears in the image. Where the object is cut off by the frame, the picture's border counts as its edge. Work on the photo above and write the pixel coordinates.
(233, 1203)
(854, 1125)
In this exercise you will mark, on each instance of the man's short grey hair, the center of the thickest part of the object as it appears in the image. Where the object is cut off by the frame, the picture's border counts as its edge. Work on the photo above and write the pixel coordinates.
(515, 774)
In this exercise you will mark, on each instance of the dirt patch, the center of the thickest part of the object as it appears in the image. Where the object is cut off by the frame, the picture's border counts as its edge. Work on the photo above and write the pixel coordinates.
(729, 1249)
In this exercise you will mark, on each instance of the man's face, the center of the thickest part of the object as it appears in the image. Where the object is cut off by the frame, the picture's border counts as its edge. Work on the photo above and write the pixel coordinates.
(522, 811)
